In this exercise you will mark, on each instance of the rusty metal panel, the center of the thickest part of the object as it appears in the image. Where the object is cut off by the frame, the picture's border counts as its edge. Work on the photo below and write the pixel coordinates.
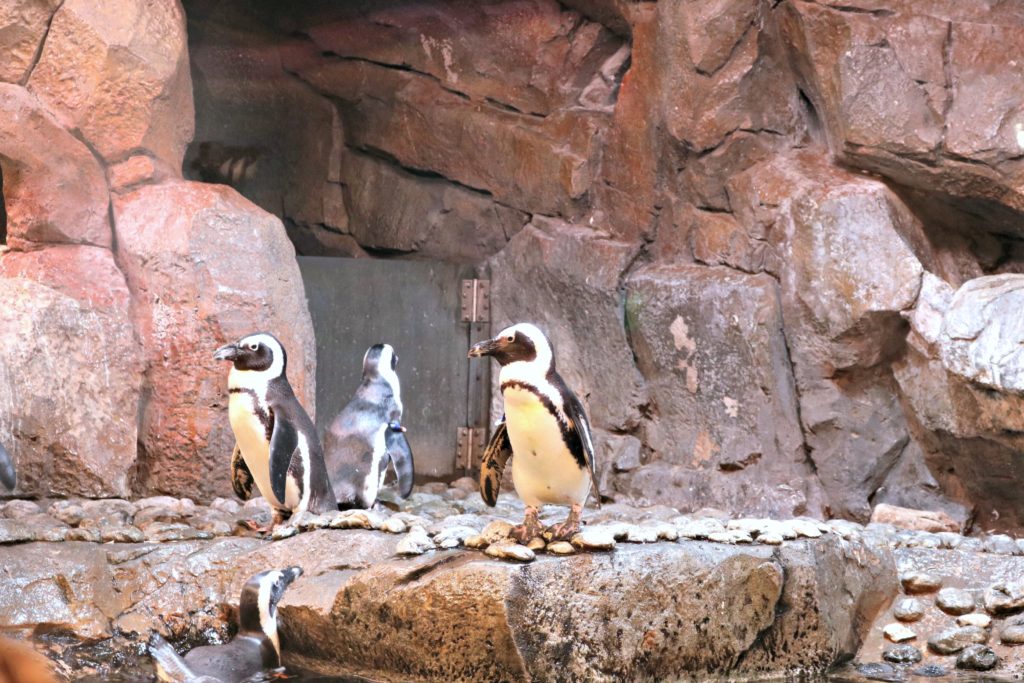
(416, 307)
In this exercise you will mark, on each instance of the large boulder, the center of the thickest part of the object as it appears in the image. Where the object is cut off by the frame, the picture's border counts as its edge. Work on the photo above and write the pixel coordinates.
(723, 412)
(70, 373)
(118, 72)
(204, 266)
(54, 189)
(23, 25)
(566, 280)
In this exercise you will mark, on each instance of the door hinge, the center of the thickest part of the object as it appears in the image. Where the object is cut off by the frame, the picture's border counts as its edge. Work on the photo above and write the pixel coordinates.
(476, 301)
(471, 447)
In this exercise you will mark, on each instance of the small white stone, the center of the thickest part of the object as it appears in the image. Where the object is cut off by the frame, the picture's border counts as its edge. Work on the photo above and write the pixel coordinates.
(561, 548)
(283, 531)
(641, 534)
(416, 542)
(733, 537)
(699, 528)
(804, 527)
(536, 543)
(898, 633)
(594, 538)
(498, 530)
(770, 539)
(394, 525)
(453, 537)
(974, 619)
(510, 550)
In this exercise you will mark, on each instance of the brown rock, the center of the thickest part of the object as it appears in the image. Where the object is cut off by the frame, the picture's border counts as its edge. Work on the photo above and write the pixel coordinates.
(536, 165)
(118, 72)
(70, 374)
(23, 24)
(134, 171)
(565, 279)
(723, 412)
(920, 520)
(394, 210)
(533, 56)
(54, 190)
(198, 260)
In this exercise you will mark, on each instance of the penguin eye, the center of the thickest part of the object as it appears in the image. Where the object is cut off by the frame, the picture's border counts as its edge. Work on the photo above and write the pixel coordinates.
(510, 338)
(254, 346)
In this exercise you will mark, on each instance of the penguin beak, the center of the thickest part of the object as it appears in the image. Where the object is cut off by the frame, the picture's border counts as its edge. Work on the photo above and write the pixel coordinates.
(291, 574)
(226, 352)
(485, 348)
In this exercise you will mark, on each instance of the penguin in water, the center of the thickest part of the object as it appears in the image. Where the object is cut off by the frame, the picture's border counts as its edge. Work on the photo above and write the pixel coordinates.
(8, 475)
(255, 649)
(368, 435)
(278, 447)
(545, 427)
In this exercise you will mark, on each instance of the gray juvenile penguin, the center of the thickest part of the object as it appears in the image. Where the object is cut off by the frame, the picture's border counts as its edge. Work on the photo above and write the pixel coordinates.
(545, 427)
(277, 442)
(254, 650)
(368, 435)
(8, 475)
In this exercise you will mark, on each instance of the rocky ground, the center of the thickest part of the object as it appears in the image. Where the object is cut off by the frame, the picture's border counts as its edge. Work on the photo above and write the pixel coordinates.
(432, 589)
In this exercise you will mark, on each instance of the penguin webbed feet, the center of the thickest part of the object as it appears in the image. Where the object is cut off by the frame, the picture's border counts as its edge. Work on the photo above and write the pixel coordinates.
(278, 517)
(530, 529)
(567, 529)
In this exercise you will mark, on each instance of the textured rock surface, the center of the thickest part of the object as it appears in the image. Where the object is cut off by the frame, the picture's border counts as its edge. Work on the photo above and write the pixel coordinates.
(118, 72)
(199, 260)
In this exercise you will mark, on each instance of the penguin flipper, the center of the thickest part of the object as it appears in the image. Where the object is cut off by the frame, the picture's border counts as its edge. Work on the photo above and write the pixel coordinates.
(170, 667)
(283, 442)
(579, 424)
(241, 477)
(401, 461)
(499, 450)
(8, 475)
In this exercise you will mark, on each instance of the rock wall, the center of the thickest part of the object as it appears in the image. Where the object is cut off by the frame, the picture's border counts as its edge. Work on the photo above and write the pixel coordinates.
(777, 244)
(119, 279)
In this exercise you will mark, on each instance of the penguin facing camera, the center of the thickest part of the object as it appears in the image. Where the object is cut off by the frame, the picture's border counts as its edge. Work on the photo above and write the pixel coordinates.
(545, 428)
(8, 475)
(277, 444)
(255, 649)
(367, 435)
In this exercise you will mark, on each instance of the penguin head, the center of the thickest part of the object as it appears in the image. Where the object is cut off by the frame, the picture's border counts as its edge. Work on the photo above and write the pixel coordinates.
(523, 342)
(260, 352)
(380, 360)
(257, 607)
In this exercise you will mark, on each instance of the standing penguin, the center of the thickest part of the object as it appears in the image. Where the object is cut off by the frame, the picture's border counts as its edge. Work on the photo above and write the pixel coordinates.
(368, 435)
(8, 475)
(545, 426)
(277, 441)
(254, 650)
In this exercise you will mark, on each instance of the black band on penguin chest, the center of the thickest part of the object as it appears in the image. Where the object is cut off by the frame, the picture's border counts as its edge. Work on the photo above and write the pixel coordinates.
(573, 440)
(265, 417)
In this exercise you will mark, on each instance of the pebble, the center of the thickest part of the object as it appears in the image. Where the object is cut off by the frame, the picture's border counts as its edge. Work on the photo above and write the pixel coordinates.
(416, 542)
(902, 654)
(1013, 632)
(227, 505)
(770, 539)
(641, 534)
(930, 671)
(561, 548)
(908, 609)
(920, 582)
(594, 538)
(977, 658)
(88, 535)
(453, 536)
(156, 501)
(804, 527)
(699, 528)
(495, 531)
(16, 509)
(733, 536)
(468, 484)
(974, 619)
(845, 529)
(955, 601)
(1005, 597)
(1000, 544)
(898, 633)
(283, 531)
(66, 511)
(510, 550)
(122, 534)
(536, 543)
(394, 525)
(954, 640)
(880, 671)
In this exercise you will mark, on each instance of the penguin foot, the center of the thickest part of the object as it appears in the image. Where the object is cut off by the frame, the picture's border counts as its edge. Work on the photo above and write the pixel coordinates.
(530, 529)
(567, 529)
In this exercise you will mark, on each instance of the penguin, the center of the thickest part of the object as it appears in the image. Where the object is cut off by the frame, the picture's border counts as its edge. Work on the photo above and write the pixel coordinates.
(277, 443)
(545, 427)
(254, 650)
(367, 435)
(8, 475)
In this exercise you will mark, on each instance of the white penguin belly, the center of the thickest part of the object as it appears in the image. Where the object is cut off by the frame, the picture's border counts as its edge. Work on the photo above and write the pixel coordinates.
(543, 468)
(252, 440)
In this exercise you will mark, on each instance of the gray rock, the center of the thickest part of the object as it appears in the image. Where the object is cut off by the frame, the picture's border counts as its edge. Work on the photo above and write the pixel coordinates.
(68, 511)
(16, 509)
(1005, 597)
(880, 671)
(920, 582)
(1000, 544)
(227, 505)
(930, 671)
(955, 601)
(510, 550)
(453, 536)
(974, 619)
(730, 536)
(394, 525)
(908, 609)
(122, 534)
(977, 658)
(416, 542)
(160, 532)
(949, 540)
(902, 654)
(954, 640)
(699, 528)
(1012, 634)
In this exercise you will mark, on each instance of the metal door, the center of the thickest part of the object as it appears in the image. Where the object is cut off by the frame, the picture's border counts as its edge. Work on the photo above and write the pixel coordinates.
(416, 306)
